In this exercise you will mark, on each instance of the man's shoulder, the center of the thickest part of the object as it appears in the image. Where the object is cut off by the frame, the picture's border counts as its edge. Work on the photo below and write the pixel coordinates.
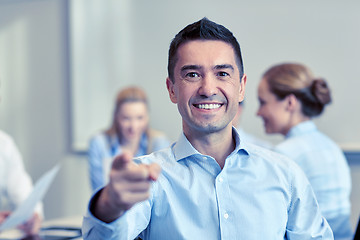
(271, 158)
(279, 166)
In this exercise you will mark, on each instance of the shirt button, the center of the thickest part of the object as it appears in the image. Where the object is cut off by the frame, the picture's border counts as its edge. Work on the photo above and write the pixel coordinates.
(226, 215)
(221, 179)
(205, 158)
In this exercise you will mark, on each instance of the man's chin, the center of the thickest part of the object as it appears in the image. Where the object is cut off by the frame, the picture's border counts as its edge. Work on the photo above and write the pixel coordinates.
(210, 128)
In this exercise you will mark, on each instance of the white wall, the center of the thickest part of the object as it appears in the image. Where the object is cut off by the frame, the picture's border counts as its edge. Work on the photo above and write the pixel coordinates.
(35, 102)
(35, 105)
(134, 39)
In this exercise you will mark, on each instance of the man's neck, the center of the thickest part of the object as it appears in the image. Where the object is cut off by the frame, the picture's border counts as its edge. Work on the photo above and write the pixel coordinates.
(218, 145)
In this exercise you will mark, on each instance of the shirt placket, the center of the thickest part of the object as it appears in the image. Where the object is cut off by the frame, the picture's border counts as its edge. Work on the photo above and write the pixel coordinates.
(226, 218)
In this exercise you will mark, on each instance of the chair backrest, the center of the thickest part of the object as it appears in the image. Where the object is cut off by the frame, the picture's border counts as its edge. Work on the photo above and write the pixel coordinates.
(357, 231)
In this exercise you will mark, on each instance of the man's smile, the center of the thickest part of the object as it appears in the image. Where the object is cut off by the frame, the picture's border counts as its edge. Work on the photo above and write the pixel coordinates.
(208, 106)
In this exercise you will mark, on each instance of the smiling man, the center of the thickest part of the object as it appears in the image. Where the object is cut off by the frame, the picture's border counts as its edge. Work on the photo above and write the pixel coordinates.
(206, 87)
(210, 184)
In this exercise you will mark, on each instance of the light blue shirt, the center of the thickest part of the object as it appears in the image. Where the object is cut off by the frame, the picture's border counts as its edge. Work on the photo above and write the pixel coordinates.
(327, 170)
(103, 149)
(258, 194)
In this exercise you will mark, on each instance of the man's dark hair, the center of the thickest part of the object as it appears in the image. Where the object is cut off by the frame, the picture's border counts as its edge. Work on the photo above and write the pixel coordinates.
(203, 30)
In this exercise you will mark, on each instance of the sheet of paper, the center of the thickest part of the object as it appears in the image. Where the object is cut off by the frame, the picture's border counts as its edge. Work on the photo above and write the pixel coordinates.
(14, 233)
(24, 211)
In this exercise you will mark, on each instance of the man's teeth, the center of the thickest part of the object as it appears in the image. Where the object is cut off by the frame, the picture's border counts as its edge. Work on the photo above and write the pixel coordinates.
(208, 106)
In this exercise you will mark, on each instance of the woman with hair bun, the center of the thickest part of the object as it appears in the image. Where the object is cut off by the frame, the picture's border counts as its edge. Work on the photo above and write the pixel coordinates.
(290, 96)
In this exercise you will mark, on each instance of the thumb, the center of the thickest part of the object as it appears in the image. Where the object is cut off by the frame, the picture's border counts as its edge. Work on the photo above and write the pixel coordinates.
(154, 171)
(122, 161)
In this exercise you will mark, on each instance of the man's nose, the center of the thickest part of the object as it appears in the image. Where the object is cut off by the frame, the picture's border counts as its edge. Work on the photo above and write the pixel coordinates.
(208, 86)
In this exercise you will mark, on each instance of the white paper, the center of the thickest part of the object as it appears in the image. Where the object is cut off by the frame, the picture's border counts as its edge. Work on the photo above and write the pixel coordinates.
(25, 210)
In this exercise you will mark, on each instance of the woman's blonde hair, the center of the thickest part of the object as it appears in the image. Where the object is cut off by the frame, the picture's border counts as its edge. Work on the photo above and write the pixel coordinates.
(126, 95)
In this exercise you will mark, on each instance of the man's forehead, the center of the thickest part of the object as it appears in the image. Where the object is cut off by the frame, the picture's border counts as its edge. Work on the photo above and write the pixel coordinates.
(197, 52)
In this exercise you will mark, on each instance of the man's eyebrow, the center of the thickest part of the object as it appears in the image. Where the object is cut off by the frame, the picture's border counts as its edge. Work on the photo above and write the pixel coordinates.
(190, 67)
(224, 66)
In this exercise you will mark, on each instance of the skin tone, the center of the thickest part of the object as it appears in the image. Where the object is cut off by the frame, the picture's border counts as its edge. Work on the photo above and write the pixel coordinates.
(133, 120)
(236, 120)
(279, 116)
(4, 215)
(31, 227)
(207, 90)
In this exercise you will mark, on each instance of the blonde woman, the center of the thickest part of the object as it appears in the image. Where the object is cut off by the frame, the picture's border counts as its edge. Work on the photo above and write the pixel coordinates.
(129, 132)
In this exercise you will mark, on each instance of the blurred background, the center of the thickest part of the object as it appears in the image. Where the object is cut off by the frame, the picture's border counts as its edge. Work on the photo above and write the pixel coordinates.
(62, 62)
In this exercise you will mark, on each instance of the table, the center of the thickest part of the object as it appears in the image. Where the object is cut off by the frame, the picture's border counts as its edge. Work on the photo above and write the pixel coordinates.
(54, 229)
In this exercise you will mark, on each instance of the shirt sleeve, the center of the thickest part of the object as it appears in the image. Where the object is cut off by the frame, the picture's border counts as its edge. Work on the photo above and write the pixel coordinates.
(128, 226)
(305, 220)
(19, 182)
(95, 159)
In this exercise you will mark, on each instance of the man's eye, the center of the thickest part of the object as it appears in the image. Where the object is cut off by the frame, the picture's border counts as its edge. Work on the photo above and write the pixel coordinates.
(192, 75)
(223, 74)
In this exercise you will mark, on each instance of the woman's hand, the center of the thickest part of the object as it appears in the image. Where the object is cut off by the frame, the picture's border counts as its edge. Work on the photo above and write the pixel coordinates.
(32, 226)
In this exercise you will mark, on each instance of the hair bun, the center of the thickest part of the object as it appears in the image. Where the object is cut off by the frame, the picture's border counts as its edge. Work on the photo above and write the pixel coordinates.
(321, 91)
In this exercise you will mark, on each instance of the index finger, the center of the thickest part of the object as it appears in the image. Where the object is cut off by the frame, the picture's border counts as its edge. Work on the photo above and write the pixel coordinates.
(121, 162)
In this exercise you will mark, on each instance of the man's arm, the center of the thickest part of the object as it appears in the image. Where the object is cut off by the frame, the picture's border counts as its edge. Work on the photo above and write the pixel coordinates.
(305, 220)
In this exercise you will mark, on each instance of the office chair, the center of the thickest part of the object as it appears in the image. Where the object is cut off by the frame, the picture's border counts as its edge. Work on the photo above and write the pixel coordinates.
(357, 231)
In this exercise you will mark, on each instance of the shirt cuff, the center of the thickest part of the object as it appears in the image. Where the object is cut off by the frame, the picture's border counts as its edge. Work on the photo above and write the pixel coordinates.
(93, 228)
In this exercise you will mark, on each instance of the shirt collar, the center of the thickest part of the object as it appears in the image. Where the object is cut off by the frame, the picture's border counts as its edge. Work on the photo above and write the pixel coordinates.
(183, 148)
(301, 128)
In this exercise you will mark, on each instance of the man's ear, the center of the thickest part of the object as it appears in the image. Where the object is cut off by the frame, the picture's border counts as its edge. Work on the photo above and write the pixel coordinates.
(170, 88)
(292, 103)
(242, 88)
